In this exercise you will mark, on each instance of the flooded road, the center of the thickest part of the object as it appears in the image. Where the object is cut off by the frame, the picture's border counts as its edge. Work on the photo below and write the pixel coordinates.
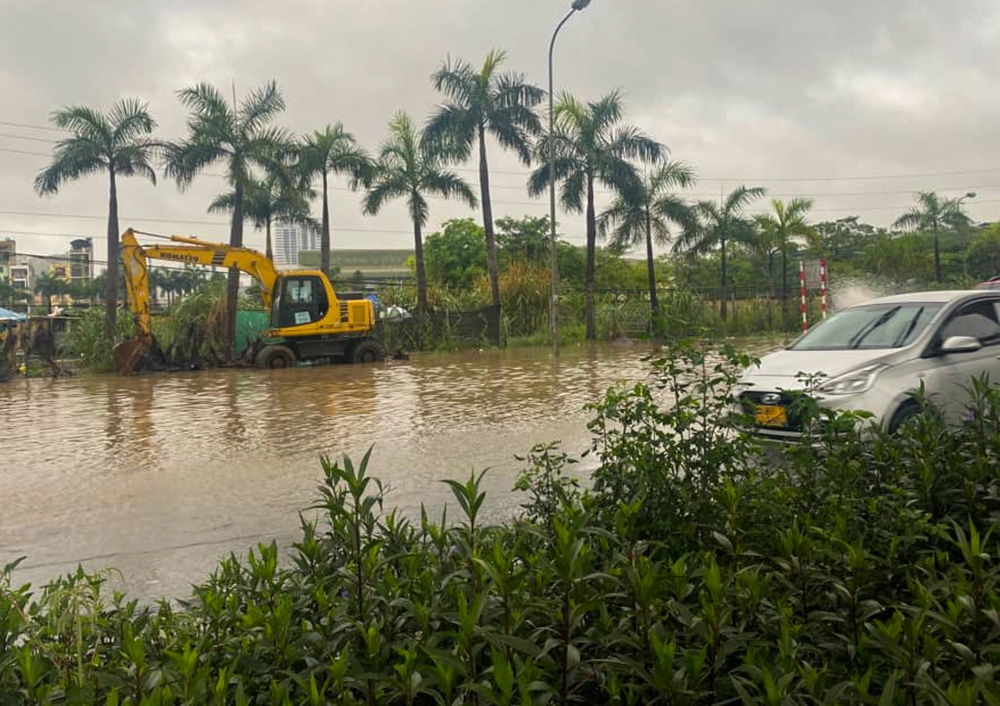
(159, 476)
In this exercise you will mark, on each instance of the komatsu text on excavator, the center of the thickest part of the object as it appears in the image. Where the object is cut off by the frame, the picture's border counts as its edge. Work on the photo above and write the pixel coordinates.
(309, 321)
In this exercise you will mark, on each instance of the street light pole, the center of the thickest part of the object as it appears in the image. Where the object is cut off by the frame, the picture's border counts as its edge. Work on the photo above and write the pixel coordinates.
(578, 5)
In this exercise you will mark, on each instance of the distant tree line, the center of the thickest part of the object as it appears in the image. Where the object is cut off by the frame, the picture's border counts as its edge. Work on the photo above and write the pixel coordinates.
(275, 177)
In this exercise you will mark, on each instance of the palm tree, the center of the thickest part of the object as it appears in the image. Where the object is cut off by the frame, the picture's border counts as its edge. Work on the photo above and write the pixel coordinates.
(239, 137)
(592, 145)
(934, 214)
(777, 230)
(485, 102)
(48, 286)
(722, 224)
(412, 170)
(116, 143)
(7, 293)
(333, 151)
(281, 197)
(646, 211)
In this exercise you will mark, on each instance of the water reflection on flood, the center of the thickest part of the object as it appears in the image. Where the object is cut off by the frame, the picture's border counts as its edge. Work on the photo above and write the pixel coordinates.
(160, 475)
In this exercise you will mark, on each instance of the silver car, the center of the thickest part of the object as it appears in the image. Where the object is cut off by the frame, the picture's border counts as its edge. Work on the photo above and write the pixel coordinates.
(870, 358)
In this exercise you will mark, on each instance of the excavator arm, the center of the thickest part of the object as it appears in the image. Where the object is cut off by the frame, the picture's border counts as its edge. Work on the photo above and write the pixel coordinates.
(135, 257)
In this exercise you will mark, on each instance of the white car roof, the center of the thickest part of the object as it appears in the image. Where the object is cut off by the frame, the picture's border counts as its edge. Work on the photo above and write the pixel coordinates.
(932, 297)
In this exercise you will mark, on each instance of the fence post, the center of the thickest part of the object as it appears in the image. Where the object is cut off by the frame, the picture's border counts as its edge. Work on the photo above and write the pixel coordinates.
(802, 294)
(822, 285)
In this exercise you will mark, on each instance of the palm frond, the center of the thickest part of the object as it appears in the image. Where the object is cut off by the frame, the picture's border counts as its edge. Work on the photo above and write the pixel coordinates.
(494, 60)
(455, 80)
(130, 119)
(741, 197)
(206, 102)
(671, 175)
(671, 208)
(183, 160)
(630, 142)
(573, 191)
(223, 203)
(72, 159)
(511, 136)
(513, 90)
(451, 129)
(538, 182)
(570, 114)
(260, 107)
(85, 123)
(911, 220)
(624, 219)
(607, 111)
(449, 185)
(134, 160)
(390, 183)
(616, 174)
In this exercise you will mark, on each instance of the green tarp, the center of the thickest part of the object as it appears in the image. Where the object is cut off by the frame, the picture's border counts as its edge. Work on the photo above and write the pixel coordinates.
(249, 325)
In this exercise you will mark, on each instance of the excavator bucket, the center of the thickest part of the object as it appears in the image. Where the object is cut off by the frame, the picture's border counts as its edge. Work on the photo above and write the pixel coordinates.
(129, 353)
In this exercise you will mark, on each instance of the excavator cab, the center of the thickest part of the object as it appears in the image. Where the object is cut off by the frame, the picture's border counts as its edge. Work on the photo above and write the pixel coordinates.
(299, 299)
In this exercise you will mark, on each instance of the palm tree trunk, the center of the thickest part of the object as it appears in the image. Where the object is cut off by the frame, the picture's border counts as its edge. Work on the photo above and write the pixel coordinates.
(937, 255)
(418, 250)
(233, 288)
(654, 304)
(268, 250)
(591, 261)
(111, 294)
(725, 280)
(784, 281)
(491, 246)
(324, 236)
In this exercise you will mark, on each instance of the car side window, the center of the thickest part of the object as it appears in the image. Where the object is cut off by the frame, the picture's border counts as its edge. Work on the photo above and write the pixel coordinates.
(978, 320)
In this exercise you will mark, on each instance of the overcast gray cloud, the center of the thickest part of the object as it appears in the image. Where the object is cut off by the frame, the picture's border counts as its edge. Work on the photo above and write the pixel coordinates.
(771, 93)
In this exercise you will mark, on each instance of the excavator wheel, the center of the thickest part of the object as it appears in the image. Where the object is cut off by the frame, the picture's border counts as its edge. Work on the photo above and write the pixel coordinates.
(276, 357)
(367, 351)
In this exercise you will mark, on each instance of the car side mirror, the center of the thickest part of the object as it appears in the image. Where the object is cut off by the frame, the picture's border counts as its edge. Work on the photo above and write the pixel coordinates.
(961, 344)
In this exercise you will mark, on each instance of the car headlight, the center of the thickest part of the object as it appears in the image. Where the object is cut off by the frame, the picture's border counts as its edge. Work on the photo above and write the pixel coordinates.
(852, 383)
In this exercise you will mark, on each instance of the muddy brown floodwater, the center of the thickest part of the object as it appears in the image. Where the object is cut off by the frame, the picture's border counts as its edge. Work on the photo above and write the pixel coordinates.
(160, 476)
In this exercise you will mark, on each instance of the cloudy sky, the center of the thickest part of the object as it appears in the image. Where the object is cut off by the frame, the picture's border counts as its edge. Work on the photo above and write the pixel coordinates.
(857, 104)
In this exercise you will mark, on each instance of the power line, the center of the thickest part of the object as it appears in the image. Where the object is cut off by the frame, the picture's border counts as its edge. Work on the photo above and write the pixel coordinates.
(13, 151)
(32, 127)
(26, 137)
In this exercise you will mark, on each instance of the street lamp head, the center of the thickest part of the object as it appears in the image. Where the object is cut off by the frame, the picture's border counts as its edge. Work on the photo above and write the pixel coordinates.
(580, 4)
(971, 195)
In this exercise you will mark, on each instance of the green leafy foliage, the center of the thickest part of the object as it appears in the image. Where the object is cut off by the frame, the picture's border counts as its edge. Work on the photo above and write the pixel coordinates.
(857, 567)
(456, 256)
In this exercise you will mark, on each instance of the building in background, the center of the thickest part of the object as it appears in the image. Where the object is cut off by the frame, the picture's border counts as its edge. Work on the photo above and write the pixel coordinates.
(22, 276)
(81, 260)
(290, 239)
(364, 267)
(8, 251)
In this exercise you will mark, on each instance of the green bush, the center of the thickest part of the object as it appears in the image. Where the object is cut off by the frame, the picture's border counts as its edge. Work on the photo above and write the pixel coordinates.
(696, 568)
(88, 344)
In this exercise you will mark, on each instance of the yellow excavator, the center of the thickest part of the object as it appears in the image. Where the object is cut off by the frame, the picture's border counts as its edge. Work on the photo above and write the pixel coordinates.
(309, 321)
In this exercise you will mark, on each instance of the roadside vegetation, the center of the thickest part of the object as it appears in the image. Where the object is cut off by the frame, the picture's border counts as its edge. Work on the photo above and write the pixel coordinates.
(691, 568)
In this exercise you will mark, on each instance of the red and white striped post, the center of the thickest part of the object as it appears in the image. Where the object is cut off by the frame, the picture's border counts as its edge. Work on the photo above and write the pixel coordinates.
(822, 285)
(802, 294)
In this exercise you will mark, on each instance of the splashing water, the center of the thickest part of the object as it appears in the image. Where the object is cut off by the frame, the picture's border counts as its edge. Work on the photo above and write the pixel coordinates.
(847, 293)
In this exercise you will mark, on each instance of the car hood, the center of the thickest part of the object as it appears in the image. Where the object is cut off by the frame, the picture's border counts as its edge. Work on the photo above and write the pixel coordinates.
(781, 370)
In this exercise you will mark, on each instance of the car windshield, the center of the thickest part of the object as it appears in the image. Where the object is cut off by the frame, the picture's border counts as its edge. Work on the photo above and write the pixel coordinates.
(875, 326)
